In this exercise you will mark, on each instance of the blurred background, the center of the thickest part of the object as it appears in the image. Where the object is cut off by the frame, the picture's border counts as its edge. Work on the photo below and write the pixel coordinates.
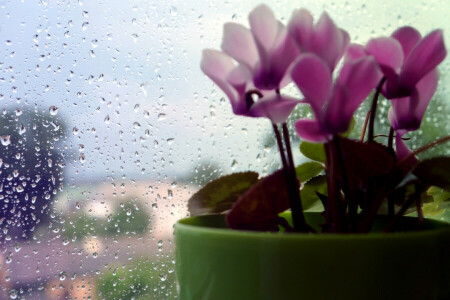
(108, 126)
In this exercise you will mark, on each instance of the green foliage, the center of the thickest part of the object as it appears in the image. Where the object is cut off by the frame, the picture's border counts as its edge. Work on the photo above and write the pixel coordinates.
(314, 151)
(219, 195)
(308, 193)
(130, 217)
(308, 170)
(142, 279)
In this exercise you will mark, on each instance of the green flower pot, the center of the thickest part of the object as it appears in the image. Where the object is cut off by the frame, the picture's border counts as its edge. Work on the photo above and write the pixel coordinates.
(213, 262)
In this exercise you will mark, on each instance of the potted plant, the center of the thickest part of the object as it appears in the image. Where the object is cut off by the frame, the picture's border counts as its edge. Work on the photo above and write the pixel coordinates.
(250, 238)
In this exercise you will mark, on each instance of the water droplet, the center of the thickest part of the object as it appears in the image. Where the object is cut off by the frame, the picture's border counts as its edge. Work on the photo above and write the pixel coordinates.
(22, 129)
(107, 119)
(53, 110)
(13, 294)
(136, 125)
(85, 25)
(173, 11)
(5, 139)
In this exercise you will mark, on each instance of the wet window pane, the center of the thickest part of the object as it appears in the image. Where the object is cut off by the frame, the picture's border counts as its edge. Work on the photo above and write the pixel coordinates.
(107, 126)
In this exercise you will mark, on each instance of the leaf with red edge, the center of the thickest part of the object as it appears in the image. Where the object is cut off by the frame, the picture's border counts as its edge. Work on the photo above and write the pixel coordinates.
(364, 160)
(259, 207)
(220, 194)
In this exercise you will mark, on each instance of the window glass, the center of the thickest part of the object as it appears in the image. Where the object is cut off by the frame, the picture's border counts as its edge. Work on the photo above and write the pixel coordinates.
(108, 126)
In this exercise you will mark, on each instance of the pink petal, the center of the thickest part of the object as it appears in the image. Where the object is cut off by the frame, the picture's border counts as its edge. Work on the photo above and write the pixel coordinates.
(354, 51)
(426, 88)
(275, 107)
(239, 78)
(269, 74)
(407, 113)
(387, 52)
(345, 43)
(425, 56)
(239, 44)
(408, 37)
(310, 130)
(217, 65)
(403, 151)
(329, 41)
(313, 77)
(360, 77)
(264, 26)
(301, 28)
(339, 111)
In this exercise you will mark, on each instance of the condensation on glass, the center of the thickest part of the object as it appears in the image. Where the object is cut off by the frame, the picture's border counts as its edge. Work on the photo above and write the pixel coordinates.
(107, 126)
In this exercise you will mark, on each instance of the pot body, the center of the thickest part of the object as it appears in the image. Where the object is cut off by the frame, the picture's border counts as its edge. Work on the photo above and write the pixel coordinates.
(215, 263)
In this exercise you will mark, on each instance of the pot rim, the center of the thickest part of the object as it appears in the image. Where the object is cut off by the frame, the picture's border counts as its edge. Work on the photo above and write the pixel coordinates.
(435, 227)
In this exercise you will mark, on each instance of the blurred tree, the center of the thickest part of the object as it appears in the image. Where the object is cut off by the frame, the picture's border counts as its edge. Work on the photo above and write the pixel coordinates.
(31, 169)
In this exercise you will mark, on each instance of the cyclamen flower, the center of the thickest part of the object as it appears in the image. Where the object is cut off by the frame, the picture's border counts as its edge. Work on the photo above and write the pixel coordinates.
(324, 39)
(333, 105)
(263, 53)
(409, 63)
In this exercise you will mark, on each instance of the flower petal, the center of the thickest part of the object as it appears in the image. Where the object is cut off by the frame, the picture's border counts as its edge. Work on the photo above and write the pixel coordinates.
(275, 107)
(425, 56)
(387, 52)
(239, 44)
(403, 151)
(310, 130)
(329, 42)
(264, 26)
(301, 28)
(313, 77)
(408, 37)
(240, 78)
(426, 88)
(339, 111)
(354, 51)
(217, 65)
(268, 74)
(360, 77)
(407, 113)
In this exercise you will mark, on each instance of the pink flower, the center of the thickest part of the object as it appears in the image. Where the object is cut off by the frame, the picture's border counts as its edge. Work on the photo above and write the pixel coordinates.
(263, 53)
(266, 49)
(235, 81)
(324, 39)
(409, 63)
(333, 104)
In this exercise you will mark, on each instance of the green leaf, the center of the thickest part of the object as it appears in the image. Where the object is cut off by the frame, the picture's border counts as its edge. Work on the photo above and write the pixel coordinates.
(308, 192)
(313, 151)
(219, 195)
(438, 194)
(308, 170)
(434, 171)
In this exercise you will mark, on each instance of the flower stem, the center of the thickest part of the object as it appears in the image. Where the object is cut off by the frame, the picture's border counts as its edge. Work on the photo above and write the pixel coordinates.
(373, 109)
(424, 148)
(280, 146)
(414, 198)
(391, 138)
(352, 205)
(296, 204)
(366, 121)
